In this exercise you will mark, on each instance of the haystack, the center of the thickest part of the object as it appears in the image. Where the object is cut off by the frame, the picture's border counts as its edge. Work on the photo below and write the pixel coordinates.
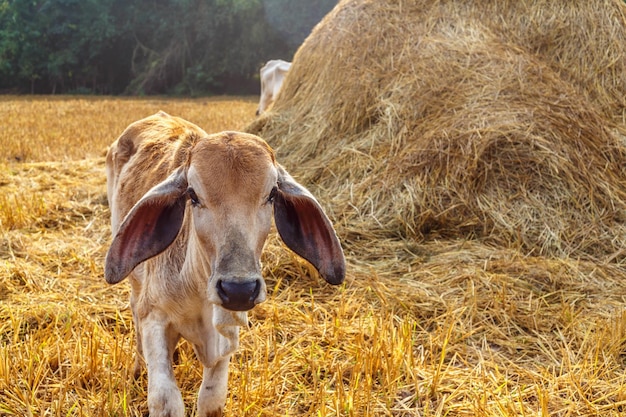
(498, 121)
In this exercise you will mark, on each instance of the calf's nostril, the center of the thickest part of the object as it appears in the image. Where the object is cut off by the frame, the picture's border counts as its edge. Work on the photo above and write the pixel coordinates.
(238, 296)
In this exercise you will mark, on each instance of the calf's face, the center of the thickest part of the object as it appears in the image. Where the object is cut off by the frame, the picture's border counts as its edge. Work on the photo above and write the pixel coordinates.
(230, 189)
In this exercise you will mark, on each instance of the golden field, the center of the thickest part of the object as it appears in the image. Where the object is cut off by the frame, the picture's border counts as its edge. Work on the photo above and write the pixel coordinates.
(420, 328)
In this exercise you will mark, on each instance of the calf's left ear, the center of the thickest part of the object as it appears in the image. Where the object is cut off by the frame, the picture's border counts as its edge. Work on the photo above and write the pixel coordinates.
(306, 230)
(148, 228)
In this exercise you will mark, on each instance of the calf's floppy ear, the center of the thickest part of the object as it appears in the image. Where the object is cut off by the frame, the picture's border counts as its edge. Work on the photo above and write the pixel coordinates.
(149, 227)
(306, 230)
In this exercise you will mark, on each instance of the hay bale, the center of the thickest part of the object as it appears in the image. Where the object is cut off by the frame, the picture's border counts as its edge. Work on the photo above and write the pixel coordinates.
(432, 119)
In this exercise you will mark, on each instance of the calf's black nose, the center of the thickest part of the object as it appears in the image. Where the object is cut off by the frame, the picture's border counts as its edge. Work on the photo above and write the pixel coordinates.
(238, 296)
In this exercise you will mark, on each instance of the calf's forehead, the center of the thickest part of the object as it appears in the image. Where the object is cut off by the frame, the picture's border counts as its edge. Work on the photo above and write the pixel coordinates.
(230, 162)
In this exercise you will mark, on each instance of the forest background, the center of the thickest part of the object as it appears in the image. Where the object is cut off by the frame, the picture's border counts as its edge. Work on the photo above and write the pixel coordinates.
(142, 47)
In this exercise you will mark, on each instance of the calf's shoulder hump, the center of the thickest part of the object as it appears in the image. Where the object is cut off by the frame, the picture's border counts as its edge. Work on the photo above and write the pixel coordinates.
(146, 153)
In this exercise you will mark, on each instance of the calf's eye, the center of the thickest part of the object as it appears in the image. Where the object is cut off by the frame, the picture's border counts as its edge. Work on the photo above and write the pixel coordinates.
(193, 197)
(270, 198)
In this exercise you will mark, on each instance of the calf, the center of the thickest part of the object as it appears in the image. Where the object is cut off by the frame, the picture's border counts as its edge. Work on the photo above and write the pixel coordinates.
(190, 213)
(272, 75)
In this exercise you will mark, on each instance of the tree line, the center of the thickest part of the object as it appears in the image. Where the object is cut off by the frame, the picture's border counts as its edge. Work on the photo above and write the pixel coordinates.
(181, 47)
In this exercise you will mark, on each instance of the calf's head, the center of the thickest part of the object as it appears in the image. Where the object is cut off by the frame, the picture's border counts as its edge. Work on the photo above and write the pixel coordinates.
(229, 189)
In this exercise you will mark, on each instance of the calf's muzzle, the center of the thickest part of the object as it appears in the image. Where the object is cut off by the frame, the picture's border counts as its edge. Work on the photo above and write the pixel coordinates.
(238, 296)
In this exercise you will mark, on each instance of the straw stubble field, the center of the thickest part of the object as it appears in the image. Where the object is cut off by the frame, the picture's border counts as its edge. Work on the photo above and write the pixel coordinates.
(421, 327)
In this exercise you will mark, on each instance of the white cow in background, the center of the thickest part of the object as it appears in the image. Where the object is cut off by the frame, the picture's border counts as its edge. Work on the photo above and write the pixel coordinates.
(272, 75)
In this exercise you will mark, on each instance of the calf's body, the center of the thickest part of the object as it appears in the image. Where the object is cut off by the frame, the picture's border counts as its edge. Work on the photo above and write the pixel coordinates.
(190, 213)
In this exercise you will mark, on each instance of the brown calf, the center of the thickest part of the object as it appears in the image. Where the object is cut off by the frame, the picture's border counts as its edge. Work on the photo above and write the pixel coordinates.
(190, 213)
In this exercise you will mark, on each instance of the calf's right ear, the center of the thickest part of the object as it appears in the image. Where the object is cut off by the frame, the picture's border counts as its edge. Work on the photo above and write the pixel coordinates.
(149, 227)
(305, 228)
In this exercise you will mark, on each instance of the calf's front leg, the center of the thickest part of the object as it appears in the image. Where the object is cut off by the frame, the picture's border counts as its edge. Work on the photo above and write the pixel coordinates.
(214, 388)
(158, 343)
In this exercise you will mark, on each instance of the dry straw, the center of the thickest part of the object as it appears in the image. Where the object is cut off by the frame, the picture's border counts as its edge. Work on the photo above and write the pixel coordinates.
(502, 121)
(472, 155)
(458, 145)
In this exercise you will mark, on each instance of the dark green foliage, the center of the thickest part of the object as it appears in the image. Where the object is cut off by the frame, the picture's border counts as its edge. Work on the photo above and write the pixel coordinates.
(190, 47)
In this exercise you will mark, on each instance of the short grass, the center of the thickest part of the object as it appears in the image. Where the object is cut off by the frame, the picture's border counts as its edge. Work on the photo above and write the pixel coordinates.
(437, 328)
